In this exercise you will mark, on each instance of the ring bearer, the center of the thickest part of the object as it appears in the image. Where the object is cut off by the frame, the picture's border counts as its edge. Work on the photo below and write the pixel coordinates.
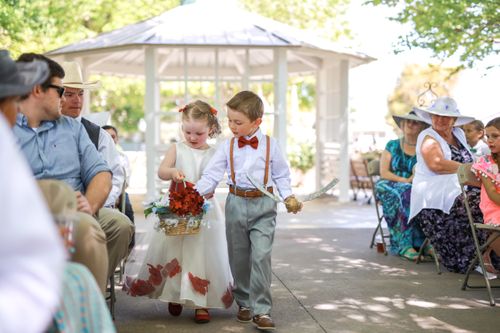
(250, 215)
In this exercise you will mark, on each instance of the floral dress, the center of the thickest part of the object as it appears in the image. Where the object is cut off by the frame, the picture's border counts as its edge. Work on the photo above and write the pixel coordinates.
(450, 234)
(192, 270)
(395, 199)
(486, 166)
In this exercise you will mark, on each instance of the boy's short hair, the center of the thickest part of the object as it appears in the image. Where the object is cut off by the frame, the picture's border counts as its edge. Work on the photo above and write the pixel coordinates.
(247, 103)
(478, 125)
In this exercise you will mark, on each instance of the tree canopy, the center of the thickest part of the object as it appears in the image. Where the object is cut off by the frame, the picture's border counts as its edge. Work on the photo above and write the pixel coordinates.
(469, 29)
(41, 25)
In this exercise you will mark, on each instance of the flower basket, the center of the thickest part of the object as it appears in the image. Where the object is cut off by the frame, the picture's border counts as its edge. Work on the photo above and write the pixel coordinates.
(182, 213)
(176, 226)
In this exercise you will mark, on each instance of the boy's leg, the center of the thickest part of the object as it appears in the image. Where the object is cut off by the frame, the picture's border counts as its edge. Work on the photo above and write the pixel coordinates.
(262, 225)
(238, 245)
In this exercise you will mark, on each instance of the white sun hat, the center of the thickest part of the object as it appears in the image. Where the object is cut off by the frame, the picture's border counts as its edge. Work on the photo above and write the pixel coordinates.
(73, 77)
(443, 106)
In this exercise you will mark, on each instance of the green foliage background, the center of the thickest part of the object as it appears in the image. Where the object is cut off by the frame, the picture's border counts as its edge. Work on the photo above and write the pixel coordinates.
(43, 25)
(469, 29)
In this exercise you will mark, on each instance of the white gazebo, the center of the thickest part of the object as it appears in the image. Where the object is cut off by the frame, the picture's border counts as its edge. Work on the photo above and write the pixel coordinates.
(209, 42)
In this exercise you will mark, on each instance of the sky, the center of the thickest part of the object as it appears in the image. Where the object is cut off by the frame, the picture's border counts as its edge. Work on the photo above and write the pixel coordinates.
(476, 92)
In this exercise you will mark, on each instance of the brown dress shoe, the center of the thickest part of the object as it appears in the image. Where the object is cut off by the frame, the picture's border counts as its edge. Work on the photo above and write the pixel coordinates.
(264, 322)
(244, 315)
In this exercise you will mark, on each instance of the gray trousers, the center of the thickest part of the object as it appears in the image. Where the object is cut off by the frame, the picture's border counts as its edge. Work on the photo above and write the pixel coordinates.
(250, 224)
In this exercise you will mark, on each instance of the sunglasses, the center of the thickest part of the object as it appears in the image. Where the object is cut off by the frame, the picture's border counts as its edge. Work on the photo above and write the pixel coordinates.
(60, 90)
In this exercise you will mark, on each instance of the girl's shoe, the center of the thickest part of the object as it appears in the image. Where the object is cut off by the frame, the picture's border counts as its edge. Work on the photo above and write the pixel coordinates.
(488, 265)
(410, 254)
(174, 309)
(201, 316)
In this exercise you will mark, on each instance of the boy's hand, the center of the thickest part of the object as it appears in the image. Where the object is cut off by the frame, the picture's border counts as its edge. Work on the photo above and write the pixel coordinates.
(293, 205)
(209, 195)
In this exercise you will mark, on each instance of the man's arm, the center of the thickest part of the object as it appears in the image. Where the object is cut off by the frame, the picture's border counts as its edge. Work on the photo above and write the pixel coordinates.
(98, 190)
(110, 154)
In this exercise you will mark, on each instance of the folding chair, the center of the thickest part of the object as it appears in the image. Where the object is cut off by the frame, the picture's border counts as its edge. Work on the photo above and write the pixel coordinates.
(373, 171)
(466, 177)
(111, 297)
(359, 178)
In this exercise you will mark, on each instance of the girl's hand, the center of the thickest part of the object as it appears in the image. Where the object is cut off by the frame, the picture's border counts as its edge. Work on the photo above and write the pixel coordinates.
(209, 195)
(178, 176)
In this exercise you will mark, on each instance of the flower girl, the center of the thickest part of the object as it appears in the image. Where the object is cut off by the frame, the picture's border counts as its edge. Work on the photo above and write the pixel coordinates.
(185, 270)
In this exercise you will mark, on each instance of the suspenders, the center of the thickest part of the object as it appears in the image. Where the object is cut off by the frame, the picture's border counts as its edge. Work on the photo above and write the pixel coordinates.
(268, 153)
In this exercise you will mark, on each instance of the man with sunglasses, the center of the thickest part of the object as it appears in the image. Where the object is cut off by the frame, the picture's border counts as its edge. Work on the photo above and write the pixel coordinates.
(58, 147)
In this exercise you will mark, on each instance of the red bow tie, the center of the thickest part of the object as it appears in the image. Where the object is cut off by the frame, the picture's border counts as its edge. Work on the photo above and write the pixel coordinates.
(253, 142)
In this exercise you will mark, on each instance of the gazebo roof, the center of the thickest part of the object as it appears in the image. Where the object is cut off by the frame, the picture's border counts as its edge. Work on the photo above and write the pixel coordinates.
(203, 27)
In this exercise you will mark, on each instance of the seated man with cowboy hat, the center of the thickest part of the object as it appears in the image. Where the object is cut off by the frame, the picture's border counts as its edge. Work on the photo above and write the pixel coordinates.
(111, 220)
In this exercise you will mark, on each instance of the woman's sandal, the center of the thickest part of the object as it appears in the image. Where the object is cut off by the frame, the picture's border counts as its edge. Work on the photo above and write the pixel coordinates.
(410, 254)
(201, 316)
(488, 265)
(429, 251)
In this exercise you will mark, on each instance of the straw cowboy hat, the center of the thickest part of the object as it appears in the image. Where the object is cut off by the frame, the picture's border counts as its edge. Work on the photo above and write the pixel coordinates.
(409, 116)
(74, 78)
(18, 78)
(446, 107)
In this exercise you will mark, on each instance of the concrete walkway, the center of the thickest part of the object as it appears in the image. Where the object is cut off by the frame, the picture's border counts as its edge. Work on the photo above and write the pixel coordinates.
(327, 279)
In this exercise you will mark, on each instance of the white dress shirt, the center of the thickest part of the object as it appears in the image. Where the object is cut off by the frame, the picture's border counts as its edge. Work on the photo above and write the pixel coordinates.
(32, 256)
(247, 160)
(107, 149)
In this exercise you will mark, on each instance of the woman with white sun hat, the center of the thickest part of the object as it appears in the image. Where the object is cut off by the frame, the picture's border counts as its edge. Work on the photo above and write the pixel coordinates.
(436, 200)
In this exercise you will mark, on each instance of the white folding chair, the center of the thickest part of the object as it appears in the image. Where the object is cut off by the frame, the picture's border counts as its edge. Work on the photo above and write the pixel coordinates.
(466, 177)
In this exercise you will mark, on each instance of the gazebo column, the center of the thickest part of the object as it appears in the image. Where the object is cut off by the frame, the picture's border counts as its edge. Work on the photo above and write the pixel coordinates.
(152, 105)
(280, 86)
(332, 137)
(245, 80)
(343, 138)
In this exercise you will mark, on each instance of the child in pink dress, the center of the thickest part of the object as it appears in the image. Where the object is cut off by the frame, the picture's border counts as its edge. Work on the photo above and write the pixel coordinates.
(487, 169)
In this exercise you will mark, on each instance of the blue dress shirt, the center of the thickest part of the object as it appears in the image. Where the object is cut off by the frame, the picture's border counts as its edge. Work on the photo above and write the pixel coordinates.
(60, 149)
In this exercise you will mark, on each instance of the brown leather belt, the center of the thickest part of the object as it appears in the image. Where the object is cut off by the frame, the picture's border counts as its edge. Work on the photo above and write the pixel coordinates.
(248, 193)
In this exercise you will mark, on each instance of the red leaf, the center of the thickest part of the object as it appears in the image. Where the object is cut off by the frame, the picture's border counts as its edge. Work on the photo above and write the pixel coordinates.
(140, 288)
(198, 284)
(172, 268)
(155, 274)
(227, 299)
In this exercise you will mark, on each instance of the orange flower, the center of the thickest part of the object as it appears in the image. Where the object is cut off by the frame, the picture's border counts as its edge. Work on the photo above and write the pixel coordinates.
(186, 201)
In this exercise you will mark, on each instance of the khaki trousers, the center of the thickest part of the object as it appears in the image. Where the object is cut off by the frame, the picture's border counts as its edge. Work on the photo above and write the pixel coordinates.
(118, 230)
(90, 248)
